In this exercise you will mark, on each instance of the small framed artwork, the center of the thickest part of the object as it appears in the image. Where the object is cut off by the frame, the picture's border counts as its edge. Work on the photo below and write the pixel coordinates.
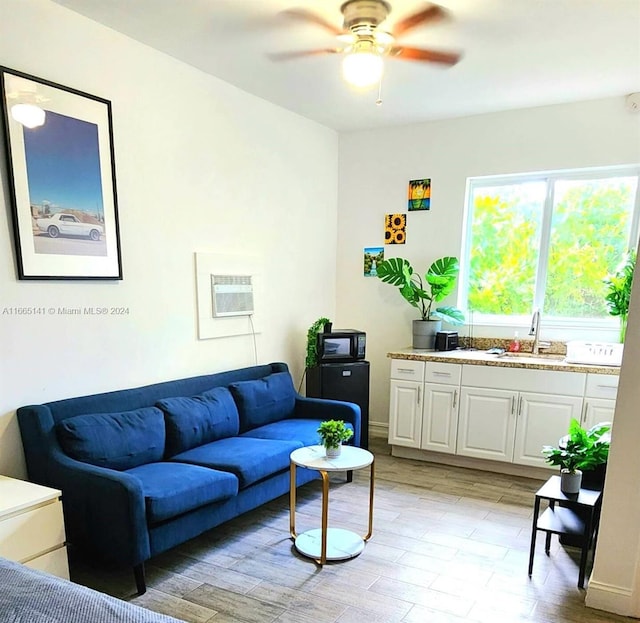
(419, 195)
(395, 228)
(59, 144)
(372, 258)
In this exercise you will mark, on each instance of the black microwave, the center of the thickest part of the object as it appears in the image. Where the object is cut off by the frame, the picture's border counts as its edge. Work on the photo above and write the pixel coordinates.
(341, 345)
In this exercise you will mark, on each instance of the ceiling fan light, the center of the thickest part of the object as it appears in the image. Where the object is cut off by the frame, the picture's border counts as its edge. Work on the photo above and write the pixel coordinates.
(362, 69)
(29, 115)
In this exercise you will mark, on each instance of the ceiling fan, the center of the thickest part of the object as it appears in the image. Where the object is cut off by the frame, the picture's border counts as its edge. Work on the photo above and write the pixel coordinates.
(365, 42)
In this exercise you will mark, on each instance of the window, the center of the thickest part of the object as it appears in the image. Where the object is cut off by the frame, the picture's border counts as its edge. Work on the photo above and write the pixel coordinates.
(546, 240)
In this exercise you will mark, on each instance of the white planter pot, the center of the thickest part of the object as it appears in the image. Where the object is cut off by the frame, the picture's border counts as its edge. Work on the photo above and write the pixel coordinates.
(570, 482)
(332, 453)
(424, 333)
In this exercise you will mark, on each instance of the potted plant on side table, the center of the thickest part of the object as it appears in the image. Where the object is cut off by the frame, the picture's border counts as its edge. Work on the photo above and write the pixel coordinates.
(440, 280)
(332, 434)
(579, 451)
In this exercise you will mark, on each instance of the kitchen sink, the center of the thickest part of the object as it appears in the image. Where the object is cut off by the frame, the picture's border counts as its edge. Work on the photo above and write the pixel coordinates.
(543, 356)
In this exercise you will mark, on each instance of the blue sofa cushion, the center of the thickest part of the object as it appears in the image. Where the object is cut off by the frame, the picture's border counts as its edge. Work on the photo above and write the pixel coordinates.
(198, 420)
(171, 489)
(251, 460)
(297, 429)
(264, 400)
(114, 440)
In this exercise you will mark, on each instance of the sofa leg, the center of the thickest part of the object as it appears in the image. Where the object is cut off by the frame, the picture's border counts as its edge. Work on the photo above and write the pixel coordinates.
(141, 585)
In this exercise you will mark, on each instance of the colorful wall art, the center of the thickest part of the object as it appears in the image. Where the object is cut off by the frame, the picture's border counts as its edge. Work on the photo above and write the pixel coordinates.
(395, 228)
(372, 258)
(419, 195)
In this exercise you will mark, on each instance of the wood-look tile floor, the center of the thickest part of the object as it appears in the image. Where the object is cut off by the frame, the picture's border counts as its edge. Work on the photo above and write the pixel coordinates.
(450, 545)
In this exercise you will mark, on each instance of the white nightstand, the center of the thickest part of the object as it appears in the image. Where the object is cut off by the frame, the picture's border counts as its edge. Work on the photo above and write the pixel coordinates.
(32, 526)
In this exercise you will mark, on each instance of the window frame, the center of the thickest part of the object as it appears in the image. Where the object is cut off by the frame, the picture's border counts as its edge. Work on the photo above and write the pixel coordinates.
(549, 178)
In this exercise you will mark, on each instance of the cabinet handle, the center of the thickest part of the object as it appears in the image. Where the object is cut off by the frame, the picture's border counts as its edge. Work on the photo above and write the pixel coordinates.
(436, 373)
(419, 392)
(520, 406)
(584, 414)
(406, 370)
(455, 398)
(513, 404)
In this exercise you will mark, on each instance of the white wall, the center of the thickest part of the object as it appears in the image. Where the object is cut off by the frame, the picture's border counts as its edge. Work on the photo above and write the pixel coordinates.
(615, 581)
(376, 166)
(200, 166)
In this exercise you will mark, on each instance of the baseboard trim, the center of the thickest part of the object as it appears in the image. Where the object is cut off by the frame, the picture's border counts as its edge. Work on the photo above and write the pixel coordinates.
(611, 598)
(379, 429)
(541, 473)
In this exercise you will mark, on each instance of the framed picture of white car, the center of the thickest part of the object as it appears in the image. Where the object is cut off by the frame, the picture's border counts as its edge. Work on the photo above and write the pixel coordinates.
(59, 144)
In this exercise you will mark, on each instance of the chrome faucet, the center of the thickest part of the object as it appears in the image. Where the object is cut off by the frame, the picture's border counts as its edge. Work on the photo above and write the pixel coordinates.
(535, 331)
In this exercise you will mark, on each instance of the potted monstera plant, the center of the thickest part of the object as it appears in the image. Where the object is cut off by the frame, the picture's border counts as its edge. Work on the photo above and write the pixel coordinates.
(421, 293)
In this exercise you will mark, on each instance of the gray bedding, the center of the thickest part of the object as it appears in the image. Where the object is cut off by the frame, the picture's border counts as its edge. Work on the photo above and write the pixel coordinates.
(28, 596)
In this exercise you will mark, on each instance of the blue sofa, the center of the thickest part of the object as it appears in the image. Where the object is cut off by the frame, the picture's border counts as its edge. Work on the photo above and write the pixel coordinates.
(144, 469)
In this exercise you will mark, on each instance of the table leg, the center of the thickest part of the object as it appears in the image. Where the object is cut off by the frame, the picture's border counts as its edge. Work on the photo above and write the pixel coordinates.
(325, 515)
(547, 541)
(292, 501)
(586, 541)
(371, 483)
(534, 530)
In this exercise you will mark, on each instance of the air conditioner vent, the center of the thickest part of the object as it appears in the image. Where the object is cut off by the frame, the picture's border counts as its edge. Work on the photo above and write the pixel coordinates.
(232, 295)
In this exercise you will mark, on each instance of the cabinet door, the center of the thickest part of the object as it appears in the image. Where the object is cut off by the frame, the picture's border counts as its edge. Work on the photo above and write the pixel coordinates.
(487, 423)
(439, 418)
(405, 413)
(542, 420)
(597, 410)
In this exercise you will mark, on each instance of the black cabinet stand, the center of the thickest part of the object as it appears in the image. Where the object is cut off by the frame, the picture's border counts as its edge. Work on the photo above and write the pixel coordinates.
(343, 381)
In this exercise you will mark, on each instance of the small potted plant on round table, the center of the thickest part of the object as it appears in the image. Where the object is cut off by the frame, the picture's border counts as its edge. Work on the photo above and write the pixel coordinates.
(580, 450)
(332, 434)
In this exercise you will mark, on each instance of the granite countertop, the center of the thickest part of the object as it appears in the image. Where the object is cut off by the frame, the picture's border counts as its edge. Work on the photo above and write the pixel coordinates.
(508, 360)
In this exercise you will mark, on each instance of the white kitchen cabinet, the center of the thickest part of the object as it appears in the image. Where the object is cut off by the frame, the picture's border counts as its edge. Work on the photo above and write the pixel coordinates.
(597, 410)
(509, 414)
(32, 526)
(440, 407)
(542, 419)
(405, 413)
(423, 409)
(500, 413)
(600, 399)
(487, 423)
(440, 418)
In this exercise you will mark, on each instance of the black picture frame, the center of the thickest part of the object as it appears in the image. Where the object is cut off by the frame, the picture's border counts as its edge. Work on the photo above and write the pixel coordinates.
(62, 181)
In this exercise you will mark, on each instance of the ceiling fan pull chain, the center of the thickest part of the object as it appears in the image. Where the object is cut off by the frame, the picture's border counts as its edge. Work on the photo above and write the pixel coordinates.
(379, 100)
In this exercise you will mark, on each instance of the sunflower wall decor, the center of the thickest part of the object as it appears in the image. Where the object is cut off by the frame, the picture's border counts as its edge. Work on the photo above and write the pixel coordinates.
(395, 228)
(419, 195)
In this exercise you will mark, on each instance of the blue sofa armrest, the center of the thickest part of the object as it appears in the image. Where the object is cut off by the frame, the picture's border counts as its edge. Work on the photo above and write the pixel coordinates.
(325, 409)
(104, 509)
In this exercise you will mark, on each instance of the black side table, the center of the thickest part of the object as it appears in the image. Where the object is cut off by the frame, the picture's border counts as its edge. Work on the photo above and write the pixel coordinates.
(566, 519)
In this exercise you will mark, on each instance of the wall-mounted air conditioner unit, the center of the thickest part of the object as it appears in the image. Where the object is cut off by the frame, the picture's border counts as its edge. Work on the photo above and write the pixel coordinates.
(232, 295)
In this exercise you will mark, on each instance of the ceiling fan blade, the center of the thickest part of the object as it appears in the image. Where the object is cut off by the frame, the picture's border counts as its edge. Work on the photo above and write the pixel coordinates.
(313, 18)
(430, 56)
(432, 13)
(287, 56)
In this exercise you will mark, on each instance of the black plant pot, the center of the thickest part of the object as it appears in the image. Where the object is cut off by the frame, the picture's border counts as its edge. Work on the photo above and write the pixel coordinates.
(592, 479)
